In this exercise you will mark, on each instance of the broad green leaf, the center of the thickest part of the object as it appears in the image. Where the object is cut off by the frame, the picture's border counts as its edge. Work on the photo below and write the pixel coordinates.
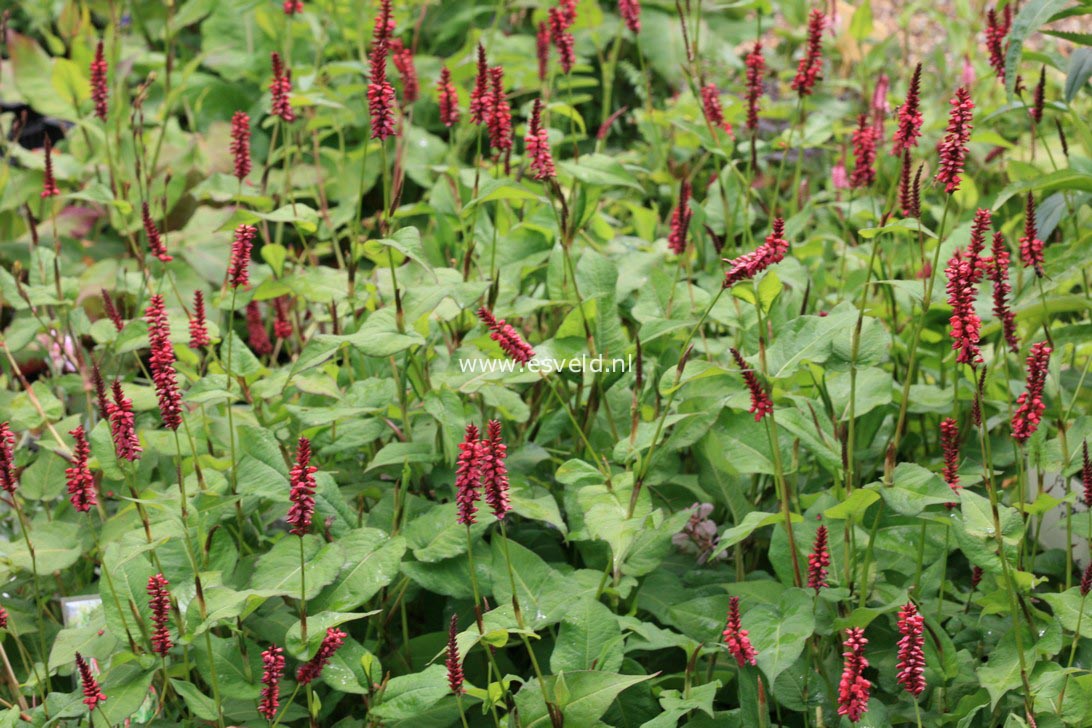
(278, 571)
(600, 170)
(588, 694)
(1032, 15)
(589, 638)
(779, 633)
(371, 562)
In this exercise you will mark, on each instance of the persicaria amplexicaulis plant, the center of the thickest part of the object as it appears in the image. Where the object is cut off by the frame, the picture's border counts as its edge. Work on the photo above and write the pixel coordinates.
(126, 444)
(1029, 405)
(239, 267)
(78, 479)
(312, 669)
(736, 638)
(953, 148)
(257, 336)
(302, 487)
(854, 688)
(162, 364)
(756, 67)
(507, 337)
(99, 93)
(280, 88)
(272, 671)
(7, 458)
(819, 560)
(1031, 247)
(680, 220)
(159, 601)
(864, 154)
(199, 330)
(630, 10)
(910, 117)
(714, 112)
(92, 693)
(448, 98)
(49, 182)
(451, 658)
(468, 475)
(810, 68)
(761, 404)
(240, 144)
(751, 264)
(538, 146)
(911, 650)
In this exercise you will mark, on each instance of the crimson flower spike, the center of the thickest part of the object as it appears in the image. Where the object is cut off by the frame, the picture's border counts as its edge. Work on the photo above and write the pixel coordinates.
(711, 106)
(380, 92)
(1086, 475)
(494, 470)
(102, 402)
(159, 599)
(1031, 247)
(853, 689)
(280, 88)
(126, 444)
(949, 442)
(751, 264)
(8, 482)
(538, 146)
(257, 336)
(761, 405)
(99, 93)
(630, 10)
(3, 618)
(500, 114)
(78, 478)
(468, 475)
(302, 490)
(480, 100)
(448, 99)
(910, 118)
(680, 220)
(999, 274)
(240, 144)
(162, 363)
(563, 39)
(49, 182)
(92, 693)
(272, 670)
(312, 669)
(199, 330)
(811, 65)
(1029, 405)
(507, 337)
(864, 154)
(293, 7)
(911, 653)
(451, 658)
(818, 560)
(112, 310)
(155, 239)
(1039, 99)
(953, 149)
(756, 67)
(282, 325)
(1086, 580)
(965, 323)
(402, 57)
(735, 637)
(239, 268)
(995, 42)
(542, 50)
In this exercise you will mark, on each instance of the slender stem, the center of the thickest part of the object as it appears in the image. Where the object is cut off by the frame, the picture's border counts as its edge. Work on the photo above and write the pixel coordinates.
(303, 594)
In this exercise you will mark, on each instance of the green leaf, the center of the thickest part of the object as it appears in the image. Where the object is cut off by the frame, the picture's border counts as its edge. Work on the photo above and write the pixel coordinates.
(1063, 179)
(589, 638)
(1080, 69)
(57, 545)
(278, 571)
(768, 290)
(855, 505)
(600, 170)
(1002, 672)
(588, 694)
(407, 241)
(860, 26)
(914, 489)
(1032, 15)
(409, 695)
(780, 632)
(1068, 607)
(750, 523)
(199, 704)
(372, 560)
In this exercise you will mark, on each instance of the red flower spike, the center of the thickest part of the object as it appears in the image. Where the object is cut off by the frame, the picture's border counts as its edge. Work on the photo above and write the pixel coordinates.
(714, 112)
(761, 405)
(120, 411)
(111, 310)
(965, 323)
(1086, 475)
(680, 220)
(257, 336)
(239, 268)
(402, 57)
(159, 599)
(92, 694)
(1031, 247)
(853, 689)
(380, 94)
(78, 478)
(280, 88)
(155, 240)
(864, 154)
(451, 658)
(384, 24)
(468, 475)
(448, 99)
(911, 650)
(563, 40)
(567, 9)
(312, 669)
(49, 182)
(494, 471)
(272, 670)
(1029, 405)
(538, 146)
(199, 330)
(3, 618)
(8, 482)
(102, 402)
(979, 229)
(976, 577)
(1086, 581)
(756, 67)
(302, 486)
(630, 10)
(1039, 102)
(995, 41)
(162, 363)
(507, 337)
(818, 560)
(953, 149)
(751, 264)
(500, 114)
(910, 118)
(811, 65)
(99, 92)
(480, 100)
(880, 107)
(735, 637)
(282, 325)
(293, 7)
(240, 144)
(949, 442)
(999, 274)
(542, 50)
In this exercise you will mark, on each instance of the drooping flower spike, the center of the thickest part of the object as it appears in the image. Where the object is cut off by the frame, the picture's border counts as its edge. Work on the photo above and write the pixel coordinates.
(312, 669)
(1029, 405)
(761, 404)
(751, 264)
(736, 638)
(507, 337)
(996, 30)
(78, 479)
(302, 486)
(711, 106)
(155, 238)
(92, 693)
(111, 310)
